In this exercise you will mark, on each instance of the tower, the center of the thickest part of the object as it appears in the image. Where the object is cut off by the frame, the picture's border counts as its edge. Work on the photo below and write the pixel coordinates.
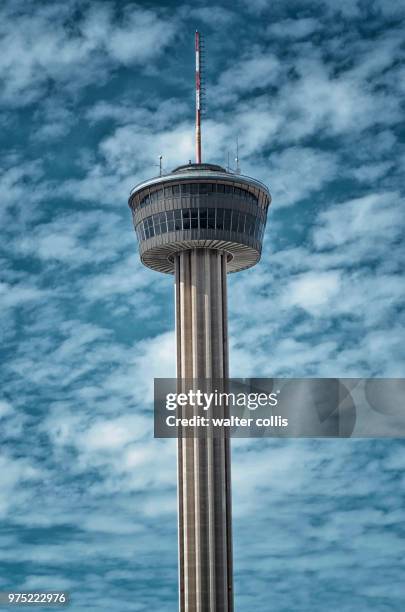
(200, 222)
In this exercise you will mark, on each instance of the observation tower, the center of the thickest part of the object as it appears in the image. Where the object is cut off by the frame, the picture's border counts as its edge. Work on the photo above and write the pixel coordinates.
(200, 222)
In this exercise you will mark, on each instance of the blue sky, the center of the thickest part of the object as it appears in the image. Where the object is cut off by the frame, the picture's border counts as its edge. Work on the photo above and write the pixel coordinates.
(91, 95)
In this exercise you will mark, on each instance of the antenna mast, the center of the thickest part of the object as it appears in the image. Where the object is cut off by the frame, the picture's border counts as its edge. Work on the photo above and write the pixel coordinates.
(237, 156)
(197, 98)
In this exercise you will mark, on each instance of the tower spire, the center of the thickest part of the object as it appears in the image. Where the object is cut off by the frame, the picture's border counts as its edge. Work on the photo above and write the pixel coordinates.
(198, 97)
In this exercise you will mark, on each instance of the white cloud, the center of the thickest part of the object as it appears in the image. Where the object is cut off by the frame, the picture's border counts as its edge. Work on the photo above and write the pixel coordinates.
(124, 278)
(39, 45)
(297, 172)
(54, 119)
(152, 358)
(257, 70)
(348, 8)
(312, 291)
(318, 98)
(209, 14)
(160, 114)
(5, 409)
(369, 173)
(14, 474)
(21, 181)
(389, 8)
(145, 146)
(294, 28)
(362, 220)
(318, 102)
(36, 582)
(111, 434)
(122, 447)
(13, 296)
(77, 238)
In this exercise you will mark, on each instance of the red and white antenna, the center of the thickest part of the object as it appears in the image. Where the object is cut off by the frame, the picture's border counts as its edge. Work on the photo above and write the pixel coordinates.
(198, 97)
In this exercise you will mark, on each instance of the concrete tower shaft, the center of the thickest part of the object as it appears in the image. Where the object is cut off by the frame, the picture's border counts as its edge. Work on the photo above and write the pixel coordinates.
(204, 490)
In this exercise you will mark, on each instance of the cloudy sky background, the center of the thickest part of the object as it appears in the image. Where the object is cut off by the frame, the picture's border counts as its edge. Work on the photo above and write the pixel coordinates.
(91, 95)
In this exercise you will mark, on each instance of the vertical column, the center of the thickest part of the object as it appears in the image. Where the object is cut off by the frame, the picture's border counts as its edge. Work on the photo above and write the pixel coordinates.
(204, 490)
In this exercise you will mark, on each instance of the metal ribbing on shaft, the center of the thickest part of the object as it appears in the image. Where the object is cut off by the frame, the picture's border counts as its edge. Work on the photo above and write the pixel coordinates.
(205, 542)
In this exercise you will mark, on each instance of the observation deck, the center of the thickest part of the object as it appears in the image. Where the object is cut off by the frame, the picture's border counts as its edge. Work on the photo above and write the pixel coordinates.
(200, 206)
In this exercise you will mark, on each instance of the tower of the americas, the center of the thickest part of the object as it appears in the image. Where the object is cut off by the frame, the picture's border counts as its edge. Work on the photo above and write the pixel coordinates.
(201, 222)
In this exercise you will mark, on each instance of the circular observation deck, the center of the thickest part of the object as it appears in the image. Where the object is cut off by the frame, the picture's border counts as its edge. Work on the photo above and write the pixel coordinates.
(200, 206)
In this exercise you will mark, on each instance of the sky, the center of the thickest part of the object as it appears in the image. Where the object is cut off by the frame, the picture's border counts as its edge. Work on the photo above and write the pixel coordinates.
(91, 95)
